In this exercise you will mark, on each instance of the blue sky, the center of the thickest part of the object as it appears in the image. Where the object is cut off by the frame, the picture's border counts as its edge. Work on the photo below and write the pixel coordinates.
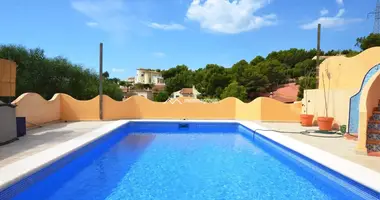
(165, 33)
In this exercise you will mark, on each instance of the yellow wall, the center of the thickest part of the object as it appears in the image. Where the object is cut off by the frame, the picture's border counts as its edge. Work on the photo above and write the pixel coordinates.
(136, 107)
(36, 109)
(348, 73)
(338, 104)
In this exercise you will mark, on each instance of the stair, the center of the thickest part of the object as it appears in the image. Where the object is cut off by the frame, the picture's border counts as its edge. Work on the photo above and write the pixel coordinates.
(373, 133)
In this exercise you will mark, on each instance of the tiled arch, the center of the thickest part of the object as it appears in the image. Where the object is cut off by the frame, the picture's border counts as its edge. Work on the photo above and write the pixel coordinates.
(353, 120)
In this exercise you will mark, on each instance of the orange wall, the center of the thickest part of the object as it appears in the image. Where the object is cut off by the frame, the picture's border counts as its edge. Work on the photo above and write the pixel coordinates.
(74, 110)
(136, 107)
(36, 109)
(7, 78)
(142, 108)
(272, 110)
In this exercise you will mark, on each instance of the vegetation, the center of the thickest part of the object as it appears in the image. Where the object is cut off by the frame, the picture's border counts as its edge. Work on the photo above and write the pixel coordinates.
(47, 76)
(245, 80)
(248, 80)
(372, 40)
(161, 96)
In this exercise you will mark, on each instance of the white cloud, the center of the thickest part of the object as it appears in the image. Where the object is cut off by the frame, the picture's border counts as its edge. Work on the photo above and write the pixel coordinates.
(331, 22)
(231, 17)
(108, 15)
(166, 26)
(159, 54)
(118, 70)
(340, 2)
(92, 24)
(324, 12)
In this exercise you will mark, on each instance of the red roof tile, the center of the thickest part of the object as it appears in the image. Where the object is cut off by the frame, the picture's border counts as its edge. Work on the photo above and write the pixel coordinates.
(187, 91)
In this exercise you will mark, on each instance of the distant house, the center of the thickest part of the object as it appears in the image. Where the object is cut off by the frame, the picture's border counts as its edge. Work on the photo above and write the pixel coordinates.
(287, 93)
(186, 92)
(147, 76)
(131, 80)
(144, 93)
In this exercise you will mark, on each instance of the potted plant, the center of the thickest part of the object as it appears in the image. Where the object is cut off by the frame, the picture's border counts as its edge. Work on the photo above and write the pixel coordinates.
(305, 118)
(325, 123)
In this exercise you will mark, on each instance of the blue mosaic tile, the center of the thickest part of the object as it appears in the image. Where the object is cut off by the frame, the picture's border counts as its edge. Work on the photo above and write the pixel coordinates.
(373, 136)
(373, 126)
(373, 147)
(376, 116)
(353, 121)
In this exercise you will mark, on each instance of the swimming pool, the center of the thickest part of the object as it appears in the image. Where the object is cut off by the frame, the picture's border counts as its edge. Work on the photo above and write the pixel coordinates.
(172, 160)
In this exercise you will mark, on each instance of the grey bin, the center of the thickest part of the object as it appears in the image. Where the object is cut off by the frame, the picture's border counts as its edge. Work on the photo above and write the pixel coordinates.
(21, 126)
(8, 130)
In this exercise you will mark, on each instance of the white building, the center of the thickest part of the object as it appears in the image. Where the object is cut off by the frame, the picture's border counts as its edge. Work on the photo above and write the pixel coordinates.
(145, 76)
(186, 92)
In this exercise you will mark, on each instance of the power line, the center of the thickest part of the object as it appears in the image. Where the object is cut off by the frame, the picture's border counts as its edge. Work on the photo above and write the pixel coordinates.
(376, 14)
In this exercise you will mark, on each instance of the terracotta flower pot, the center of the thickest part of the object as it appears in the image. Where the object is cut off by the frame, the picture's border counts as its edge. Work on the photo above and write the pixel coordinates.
(306, 120)
(325, 123)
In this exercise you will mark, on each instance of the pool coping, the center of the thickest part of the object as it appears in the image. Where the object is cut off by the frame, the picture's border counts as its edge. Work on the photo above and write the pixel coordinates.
(18, 170)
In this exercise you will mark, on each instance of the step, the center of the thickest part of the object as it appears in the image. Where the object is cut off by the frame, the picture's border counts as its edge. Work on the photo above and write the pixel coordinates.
(372, 121)
(374, 153)
(373, 131)
(373, 142)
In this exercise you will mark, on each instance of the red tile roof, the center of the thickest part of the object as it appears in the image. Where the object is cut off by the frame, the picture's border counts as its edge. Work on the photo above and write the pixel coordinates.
(186, 91)
(287, 93)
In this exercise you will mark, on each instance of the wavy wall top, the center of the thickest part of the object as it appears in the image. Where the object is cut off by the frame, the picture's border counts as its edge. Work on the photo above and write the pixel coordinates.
(347, 73)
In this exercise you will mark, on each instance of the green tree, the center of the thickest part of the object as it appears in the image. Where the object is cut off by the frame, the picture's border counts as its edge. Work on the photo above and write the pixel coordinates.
(47, 76)
(123, 83)
(234, 90)
(372, 40)
(161, 96)
(274, 71)
(257, 60)
(304, 67)
(106, 74)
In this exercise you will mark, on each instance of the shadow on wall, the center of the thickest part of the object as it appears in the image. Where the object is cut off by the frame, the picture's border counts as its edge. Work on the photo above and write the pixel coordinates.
(64, 107)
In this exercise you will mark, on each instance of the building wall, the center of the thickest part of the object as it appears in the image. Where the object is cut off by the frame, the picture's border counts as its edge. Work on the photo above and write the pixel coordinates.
(369, 99)
(137, 107)
(348, 73)
(37, 110)
(346, 78)
(147, 77)
(337, 103)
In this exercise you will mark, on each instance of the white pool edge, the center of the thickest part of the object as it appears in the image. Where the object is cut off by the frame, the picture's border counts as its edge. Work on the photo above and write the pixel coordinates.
(18, 170)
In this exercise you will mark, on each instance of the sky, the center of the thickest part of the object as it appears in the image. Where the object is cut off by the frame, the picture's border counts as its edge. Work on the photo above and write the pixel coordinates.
(160, 34)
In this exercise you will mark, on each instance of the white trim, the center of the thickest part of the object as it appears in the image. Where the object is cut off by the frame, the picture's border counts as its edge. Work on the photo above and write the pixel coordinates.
(16, 171)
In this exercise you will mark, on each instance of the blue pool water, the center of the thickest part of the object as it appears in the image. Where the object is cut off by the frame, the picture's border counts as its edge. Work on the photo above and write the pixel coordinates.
(198, 161)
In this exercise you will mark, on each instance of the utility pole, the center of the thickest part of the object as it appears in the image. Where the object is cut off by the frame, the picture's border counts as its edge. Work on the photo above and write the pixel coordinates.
(318, 53)
(376, 14)
(101, 81)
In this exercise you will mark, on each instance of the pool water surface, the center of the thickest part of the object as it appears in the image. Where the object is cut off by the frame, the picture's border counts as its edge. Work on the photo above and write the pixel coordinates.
(137, 163)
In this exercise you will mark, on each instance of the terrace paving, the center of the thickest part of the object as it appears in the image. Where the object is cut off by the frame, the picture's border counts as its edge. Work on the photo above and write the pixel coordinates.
(39, 139)
(338, 146)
